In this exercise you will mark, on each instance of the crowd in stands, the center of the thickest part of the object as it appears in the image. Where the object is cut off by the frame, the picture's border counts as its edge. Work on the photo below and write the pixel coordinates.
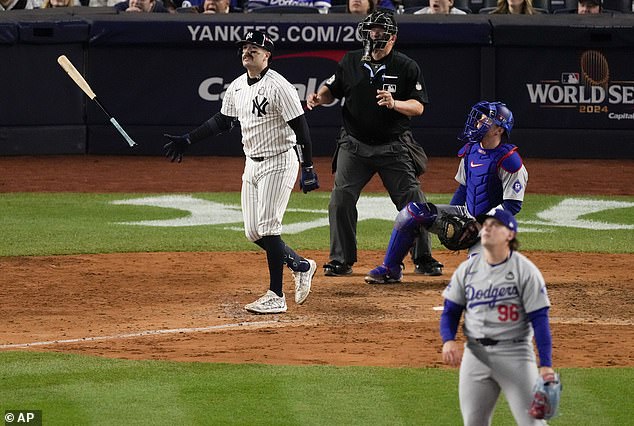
(357, 7)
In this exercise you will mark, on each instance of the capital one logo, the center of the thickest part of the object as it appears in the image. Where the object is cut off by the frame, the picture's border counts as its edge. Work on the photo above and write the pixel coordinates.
(213, 89)
(589, 89)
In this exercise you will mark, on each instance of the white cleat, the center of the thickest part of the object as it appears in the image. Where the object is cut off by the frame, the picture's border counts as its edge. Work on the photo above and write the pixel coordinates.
(270, 303)
(303, 281)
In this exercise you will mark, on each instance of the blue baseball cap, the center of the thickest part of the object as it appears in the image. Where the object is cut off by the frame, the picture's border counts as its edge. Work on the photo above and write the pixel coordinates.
(506, 218)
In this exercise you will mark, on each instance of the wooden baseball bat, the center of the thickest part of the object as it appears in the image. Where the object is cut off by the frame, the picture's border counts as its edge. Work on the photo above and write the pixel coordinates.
(79, 80)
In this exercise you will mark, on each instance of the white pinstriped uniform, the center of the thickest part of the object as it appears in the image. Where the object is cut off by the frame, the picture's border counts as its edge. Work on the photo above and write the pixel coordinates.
(264, 109)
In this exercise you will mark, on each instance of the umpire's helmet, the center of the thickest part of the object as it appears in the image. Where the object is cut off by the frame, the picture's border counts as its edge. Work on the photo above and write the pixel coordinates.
(378, 18)
(257, 38)
(495, 112)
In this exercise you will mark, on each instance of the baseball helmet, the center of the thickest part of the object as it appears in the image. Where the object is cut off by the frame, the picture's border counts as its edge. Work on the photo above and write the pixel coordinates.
(495, 112)
(379, 18)
(257, 38)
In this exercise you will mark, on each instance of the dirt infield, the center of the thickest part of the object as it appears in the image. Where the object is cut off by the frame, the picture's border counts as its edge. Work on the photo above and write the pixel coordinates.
(189, 306)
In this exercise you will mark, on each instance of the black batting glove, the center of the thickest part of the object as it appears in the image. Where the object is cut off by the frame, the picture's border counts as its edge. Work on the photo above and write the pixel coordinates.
(308, 181)
(176, 147)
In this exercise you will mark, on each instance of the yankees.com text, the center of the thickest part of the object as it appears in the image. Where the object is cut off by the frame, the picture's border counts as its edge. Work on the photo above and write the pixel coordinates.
(293, 33)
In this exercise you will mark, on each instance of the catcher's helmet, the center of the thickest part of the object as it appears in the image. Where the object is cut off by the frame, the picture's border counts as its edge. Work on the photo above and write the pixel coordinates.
(257, 38)
(379, 18)
(483, 115)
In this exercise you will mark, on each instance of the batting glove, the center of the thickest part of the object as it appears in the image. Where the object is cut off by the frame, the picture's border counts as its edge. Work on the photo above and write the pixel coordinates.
(176, 147)
(308, 181)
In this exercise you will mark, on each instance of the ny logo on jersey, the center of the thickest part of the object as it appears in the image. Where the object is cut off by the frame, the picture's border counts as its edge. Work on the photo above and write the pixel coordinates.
(259, 106)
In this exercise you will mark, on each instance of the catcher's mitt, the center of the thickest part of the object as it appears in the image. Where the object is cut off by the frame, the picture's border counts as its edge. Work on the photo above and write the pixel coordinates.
(547, 391)
(457, 232)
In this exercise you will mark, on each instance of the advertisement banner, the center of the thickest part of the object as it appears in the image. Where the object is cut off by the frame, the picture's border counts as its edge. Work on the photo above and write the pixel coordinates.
(568, 88)
(323, 31)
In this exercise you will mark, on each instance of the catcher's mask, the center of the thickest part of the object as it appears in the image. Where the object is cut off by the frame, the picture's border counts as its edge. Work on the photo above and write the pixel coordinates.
(379, 18)
(257, 38)
(483, 115)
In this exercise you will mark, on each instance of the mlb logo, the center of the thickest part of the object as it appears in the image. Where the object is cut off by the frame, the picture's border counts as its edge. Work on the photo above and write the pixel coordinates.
(390, 88)
(570, 78)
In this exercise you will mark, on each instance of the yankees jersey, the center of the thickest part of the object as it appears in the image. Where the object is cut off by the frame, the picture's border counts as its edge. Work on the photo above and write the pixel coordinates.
(358, 82)
(497, 298)
(491, 176)
(263, 109)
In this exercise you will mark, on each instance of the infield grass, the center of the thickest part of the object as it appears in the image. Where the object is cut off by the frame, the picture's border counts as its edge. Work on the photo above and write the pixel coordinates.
(79, 390)
(66, 223)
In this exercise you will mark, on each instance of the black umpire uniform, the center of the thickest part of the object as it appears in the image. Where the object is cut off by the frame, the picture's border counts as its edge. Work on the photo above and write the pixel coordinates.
(374, 139)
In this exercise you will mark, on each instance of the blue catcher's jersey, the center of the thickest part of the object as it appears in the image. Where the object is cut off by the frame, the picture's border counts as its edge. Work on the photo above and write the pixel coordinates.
(491, 175)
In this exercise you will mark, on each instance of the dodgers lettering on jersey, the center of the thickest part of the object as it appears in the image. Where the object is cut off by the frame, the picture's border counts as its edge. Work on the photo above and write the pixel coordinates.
(491, 176)
(497, 298)
(264, 109)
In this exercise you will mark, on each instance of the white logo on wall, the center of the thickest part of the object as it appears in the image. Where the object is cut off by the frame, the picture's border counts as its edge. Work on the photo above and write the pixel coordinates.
(590, 90)
(199, 212)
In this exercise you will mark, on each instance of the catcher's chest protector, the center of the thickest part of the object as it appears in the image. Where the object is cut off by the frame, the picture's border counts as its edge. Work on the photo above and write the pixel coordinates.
(484, 188)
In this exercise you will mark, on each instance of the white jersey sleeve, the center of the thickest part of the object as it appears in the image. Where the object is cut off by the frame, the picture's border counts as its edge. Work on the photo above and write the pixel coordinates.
(228, 101)
(514, 184)
(461, 176)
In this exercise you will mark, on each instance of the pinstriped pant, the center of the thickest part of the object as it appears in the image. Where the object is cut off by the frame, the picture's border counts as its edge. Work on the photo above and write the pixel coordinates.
(266, 189)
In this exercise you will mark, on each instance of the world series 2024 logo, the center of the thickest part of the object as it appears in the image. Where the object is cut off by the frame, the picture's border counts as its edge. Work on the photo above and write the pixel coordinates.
(589, 90)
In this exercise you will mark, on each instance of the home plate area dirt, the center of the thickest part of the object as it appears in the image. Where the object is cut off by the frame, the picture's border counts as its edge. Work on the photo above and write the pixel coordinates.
(189, 306)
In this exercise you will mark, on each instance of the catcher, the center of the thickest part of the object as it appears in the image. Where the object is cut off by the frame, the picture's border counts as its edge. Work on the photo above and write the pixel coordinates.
(491, 176)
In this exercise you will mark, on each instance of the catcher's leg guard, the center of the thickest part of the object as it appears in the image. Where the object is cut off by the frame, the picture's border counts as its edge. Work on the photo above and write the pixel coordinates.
(406, 228)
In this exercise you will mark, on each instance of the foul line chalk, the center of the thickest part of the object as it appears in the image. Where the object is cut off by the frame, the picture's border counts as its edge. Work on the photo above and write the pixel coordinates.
(142, 334)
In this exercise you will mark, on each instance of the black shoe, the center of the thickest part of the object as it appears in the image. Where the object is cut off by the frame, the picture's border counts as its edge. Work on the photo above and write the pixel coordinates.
(429, 266)
(334, 268)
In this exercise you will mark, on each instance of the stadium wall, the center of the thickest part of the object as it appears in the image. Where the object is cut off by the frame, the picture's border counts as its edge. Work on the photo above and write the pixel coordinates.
(569, 79)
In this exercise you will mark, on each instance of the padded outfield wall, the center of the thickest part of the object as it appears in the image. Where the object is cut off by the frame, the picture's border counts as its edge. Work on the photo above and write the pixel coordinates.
(568, 79)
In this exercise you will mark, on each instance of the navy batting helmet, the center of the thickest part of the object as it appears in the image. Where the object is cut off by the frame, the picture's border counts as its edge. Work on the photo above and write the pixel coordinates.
(483, 115)
(257, 38)
(379, 18)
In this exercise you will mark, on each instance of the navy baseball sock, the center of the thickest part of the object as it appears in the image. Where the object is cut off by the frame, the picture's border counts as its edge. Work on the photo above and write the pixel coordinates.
(294, 260)
(274, 247)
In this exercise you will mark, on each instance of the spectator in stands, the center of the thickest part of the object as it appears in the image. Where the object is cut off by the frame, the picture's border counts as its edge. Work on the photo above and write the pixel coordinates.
(588, 7)
(442, 7)
(147, 6)
(515, 7)
(216, 6)
(322, 5)
(15, 4)
(360, 7)
(388, 4)
(58, 3)
(102, 3)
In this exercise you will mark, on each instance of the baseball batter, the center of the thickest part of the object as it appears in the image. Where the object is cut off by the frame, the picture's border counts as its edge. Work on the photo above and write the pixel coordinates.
(502, 294)
(491, 175)
(274, 135)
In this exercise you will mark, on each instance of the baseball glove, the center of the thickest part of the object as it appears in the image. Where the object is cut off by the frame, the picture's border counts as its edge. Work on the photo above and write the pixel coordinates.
(546, 395)
(457, 232)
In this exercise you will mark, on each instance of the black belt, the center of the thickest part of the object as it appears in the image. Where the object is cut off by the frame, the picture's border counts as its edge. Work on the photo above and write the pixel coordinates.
(492, 342)
(260, 159)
